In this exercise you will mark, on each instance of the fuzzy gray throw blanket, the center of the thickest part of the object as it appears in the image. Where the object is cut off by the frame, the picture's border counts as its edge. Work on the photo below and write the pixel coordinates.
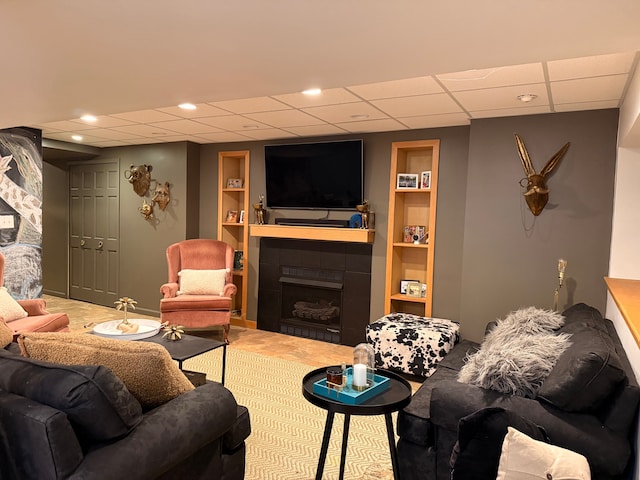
(518, 354)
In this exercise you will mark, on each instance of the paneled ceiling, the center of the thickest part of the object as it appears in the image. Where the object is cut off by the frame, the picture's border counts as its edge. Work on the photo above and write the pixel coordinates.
(382, 65)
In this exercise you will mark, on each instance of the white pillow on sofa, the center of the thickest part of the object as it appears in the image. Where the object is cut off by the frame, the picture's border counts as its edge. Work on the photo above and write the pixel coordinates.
(524, 458)
(202, 282)
(10, 310)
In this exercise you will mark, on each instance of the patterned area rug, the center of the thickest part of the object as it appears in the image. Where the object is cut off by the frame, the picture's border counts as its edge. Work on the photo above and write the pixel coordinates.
(286, 429)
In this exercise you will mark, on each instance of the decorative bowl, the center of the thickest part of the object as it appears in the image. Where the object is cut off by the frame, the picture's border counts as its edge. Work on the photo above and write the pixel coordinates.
(147, 328)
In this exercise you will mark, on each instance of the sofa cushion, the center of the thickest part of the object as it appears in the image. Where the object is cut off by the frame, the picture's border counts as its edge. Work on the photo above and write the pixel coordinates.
(202, 282)
(97, 403)
(6, 335)
(146, 368)
(517, 354)
(582, 315)
(589, 366)
(10, 309)
(476, 454)
(524, 457)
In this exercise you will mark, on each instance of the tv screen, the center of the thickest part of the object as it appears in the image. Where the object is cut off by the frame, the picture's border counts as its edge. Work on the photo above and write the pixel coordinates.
(326, 175)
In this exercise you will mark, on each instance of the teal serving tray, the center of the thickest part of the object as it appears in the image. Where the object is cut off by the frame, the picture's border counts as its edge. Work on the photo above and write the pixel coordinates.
(348, 395)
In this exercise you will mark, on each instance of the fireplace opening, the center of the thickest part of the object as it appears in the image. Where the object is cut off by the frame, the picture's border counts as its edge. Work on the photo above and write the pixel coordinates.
(311, 303)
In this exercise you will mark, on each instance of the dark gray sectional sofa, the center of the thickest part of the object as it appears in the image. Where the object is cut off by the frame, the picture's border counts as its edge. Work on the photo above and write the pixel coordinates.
(591, 407)
(81, 422)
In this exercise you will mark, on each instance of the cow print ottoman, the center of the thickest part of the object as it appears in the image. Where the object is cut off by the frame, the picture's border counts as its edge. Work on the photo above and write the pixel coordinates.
(410, 343)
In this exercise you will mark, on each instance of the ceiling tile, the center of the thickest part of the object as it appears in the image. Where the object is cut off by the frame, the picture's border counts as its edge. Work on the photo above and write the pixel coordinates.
(232, 122)
(66, 126)
(574, 107)
(590, 66)
(316, 130)
(511, 112)
(66, 137)
(109, 143)
(493, 77)
(109, 134)
(105, 121)
(499, 98)
(414, 106)
(588, 89)
(251, 105)
(397, 88)
(202, 110)
(268, 133)
(285, 118)
(382, 125)
(144, 130)
(223, 137)
(345, 112)
(432, 121)
(331, 96)
(145, 116)
(185, 126)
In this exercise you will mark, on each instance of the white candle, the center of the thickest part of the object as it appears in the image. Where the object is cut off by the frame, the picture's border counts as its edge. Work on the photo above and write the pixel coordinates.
(360, 375)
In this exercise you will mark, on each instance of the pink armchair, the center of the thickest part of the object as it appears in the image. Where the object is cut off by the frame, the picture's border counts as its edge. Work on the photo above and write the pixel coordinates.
(38, 319)
(207, 307)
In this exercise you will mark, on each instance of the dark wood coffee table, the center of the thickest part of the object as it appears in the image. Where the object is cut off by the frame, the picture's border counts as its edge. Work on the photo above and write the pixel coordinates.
(188, 347)
(395, 398)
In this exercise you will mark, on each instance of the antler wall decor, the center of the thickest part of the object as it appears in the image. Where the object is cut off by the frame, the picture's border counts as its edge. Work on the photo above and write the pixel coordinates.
(537, 193)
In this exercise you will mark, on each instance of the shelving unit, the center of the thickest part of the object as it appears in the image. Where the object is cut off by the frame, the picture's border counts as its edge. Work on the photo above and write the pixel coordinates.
(235, 165)
(411, 206)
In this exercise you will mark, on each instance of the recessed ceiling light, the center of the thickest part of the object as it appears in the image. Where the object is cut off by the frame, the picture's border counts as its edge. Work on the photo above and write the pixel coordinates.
(312, 91)
(527, 97)
(187, 106)
(88, 118)
(77, 138)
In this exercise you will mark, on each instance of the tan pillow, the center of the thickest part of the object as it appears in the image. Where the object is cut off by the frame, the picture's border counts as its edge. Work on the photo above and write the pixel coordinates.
(202, 282)
(6, 335)
(145, 368)
(524, 458)
(10, 310)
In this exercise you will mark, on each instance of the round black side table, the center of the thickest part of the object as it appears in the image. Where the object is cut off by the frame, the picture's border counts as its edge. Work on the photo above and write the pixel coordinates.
(396, 397)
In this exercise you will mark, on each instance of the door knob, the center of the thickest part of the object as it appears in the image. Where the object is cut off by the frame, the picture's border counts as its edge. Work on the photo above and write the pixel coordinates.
(82, 243)
(99, 244)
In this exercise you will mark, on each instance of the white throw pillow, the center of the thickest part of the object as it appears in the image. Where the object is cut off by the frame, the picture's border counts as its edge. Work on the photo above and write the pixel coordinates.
(10, 310)
(524, 458)
(202, 282)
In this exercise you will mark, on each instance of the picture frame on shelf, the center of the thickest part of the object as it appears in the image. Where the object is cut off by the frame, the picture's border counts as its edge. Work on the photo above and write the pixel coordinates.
(241, 217)
(234, 183)
(232, 216)
(407, 181)
(238, 260)
(425, 179)
(414, 289)
(404, 284)
(415, 234)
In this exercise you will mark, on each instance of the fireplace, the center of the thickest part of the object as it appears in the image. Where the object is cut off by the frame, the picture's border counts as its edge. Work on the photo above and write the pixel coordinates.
(315, 289)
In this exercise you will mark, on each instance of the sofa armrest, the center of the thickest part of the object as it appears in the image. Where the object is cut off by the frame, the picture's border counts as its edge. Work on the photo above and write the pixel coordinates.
(166, 436)
(169, 290)
(34, 306)
(606, 452)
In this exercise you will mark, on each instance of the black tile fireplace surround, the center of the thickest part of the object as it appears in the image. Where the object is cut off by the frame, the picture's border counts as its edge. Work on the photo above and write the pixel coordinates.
(315, 289)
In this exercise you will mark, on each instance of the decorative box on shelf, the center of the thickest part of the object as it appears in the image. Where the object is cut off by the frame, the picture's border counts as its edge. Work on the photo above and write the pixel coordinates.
(347, 394)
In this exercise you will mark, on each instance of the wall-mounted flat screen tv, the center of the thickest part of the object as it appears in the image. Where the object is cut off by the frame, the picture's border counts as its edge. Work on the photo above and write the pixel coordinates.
(322, 176)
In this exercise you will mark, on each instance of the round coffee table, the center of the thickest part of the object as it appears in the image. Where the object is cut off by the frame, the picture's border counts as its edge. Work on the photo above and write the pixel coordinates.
(396, 397)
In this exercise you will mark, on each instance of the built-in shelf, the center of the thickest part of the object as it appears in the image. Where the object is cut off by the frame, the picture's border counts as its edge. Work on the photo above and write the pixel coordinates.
(331, 234)
(626, 294)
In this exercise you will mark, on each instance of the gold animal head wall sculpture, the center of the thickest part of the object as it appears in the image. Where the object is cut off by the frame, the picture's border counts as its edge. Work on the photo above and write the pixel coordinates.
(537, 192)
(140, 177)
(162, 195)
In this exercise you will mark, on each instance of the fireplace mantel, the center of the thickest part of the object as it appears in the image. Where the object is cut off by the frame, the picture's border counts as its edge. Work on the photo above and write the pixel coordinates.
(355, 235)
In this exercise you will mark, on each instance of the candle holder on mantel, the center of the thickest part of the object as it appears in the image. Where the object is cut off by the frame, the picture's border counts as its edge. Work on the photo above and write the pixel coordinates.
(363, 367)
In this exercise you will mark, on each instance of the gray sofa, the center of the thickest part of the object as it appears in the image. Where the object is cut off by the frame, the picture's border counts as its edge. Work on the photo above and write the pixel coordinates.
(80, 422)
(591, 408)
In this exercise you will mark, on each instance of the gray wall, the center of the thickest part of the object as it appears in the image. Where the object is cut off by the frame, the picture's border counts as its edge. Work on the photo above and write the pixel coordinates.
(491, 255)
(55, 230)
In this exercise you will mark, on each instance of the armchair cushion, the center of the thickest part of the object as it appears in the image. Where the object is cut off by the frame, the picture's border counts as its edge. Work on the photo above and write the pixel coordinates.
(202, 282)
(10, 310)
(146, 368)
